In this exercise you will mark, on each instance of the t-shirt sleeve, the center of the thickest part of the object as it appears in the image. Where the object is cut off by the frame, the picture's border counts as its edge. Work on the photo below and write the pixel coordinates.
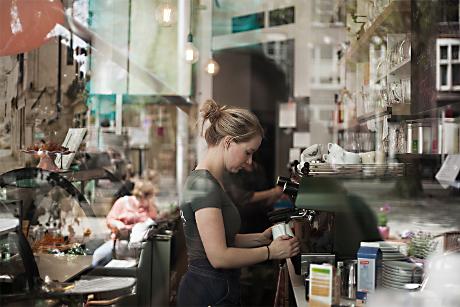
(204, 193)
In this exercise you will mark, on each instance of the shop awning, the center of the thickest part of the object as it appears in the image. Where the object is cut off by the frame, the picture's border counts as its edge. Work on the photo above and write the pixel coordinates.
(25, 25)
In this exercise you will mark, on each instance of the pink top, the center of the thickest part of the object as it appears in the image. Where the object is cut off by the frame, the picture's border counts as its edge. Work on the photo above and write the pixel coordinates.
(128, 211)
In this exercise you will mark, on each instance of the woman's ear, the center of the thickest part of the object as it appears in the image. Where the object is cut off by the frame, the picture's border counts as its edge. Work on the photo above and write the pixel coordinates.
(227, 141)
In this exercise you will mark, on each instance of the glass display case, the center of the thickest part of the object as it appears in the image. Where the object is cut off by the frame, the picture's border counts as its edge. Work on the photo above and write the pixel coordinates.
(60, 231)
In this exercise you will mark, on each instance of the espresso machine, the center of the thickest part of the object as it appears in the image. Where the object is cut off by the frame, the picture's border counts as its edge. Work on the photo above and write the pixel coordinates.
(328, 222)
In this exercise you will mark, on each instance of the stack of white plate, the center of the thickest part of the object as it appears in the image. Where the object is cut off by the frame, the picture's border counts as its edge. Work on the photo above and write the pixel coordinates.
(391, 253)
(396, 274)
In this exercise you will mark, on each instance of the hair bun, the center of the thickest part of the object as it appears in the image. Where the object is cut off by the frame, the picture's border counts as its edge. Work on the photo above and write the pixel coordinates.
(211, 111)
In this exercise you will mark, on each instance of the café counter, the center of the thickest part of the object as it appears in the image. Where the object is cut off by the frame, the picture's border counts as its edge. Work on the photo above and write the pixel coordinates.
(298, 289)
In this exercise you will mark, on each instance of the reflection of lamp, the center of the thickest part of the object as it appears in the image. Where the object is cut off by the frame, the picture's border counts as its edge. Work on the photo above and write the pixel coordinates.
(212, 67)
(165, 14)
(191, 52)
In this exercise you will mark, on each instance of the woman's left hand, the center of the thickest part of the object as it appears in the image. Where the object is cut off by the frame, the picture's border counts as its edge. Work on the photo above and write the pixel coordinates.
(267, 236)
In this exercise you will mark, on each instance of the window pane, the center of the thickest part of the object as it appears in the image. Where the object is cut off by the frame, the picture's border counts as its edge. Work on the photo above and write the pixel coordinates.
(248, 22)
(443, 74)
(455, 52)
(282, 16)
(444, 52)
(456, 74)
(452, 11)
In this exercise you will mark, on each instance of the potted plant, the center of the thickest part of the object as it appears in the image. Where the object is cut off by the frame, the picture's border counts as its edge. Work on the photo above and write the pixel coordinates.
(382, 218)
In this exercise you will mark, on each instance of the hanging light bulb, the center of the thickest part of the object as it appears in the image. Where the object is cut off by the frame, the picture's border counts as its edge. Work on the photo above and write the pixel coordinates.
(212, 67)
(191, 52)
(165, 14)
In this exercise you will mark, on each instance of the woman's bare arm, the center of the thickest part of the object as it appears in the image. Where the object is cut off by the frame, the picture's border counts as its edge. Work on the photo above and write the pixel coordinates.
(253, 239)
(211, 228)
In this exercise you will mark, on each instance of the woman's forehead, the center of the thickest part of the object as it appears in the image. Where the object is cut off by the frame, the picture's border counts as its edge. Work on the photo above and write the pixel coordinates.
(253, 143)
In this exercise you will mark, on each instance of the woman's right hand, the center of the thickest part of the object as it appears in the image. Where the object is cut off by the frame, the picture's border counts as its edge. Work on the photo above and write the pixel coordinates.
(284, 247)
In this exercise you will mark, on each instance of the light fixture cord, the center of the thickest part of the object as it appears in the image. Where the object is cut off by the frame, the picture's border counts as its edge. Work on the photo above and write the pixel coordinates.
(190, 35)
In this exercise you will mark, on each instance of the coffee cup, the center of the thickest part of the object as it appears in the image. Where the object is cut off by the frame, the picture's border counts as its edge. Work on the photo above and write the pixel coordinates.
(281, 229)
(334, 158)
(351, 158)
(367, 157)
(335, 149)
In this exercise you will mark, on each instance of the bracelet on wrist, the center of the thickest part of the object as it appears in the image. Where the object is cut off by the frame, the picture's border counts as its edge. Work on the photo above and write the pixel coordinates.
(268, 252)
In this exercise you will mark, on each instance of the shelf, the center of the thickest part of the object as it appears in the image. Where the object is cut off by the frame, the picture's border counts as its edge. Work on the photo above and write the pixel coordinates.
(381, 78)
(357, 170)
(379, 112)
(394, 16)
(412, 156)
(352, 128)
(394, 110)
(402, 69)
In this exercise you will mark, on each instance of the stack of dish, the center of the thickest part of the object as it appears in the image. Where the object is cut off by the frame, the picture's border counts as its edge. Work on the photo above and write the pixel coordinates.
(390, 252)
(397, 274)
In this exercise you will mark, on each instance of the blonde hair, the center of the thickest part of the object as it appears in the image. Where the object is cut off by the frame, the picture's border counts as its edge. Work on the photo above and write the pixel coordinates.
(143, 188)
(151, 175)
(240, 124)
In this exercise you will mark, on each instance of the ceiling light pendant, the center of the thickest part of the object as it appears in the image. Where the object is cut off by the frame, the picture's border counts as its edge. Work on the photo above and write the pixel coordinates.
(166, 14)
(191, 52)
(212, 67)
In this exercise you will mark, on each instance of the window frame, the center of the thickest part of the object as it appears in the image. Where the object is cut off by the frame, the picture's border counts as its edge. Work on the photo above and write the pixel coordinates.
(446, 42)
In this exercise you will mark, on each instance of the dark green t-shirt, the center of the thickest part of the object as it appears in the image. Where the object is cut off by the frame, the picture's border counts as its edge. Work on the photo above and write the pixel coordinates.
(202, 190)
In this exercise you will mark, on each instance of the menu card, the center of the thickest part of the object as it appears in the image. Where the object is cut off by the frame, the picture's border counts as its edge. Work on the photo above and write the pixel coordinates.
(448, 173)
(72, 141)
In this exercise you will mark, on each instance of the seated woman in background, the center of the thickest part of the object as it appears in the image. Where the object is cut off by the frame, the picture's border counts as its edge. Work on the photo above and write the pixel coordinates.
(126, 212)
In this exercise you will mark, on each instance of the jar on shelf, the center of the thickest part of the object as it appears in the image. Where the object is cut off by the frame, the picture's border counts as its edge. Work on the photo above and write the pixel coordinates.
(424, 137)
(450, 135)
(400, 139)
(412, 138)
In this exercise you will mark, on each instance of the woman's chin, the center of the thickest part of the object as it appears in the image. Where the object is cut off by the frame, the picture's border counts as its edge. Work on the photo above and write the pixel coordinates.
(235, 170)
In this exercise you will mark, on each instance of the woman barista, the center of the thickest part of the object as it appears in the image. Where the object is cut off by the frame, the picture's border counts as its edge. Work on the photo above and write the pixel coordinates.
(211, 221)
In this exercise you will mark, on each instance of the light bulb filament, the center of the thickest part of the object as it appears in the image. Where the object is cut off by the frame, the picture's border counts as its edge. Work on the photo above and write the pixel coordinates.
(189, 54)
(167, 11)
(211, 68)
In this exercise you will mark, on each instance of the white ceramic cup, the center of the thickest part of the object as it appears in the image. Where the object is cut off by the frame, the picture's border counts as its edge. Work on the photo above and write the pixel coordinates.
(281, 229)
(351, 158)
(334, 149)
(334, 158)
(367, 157)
